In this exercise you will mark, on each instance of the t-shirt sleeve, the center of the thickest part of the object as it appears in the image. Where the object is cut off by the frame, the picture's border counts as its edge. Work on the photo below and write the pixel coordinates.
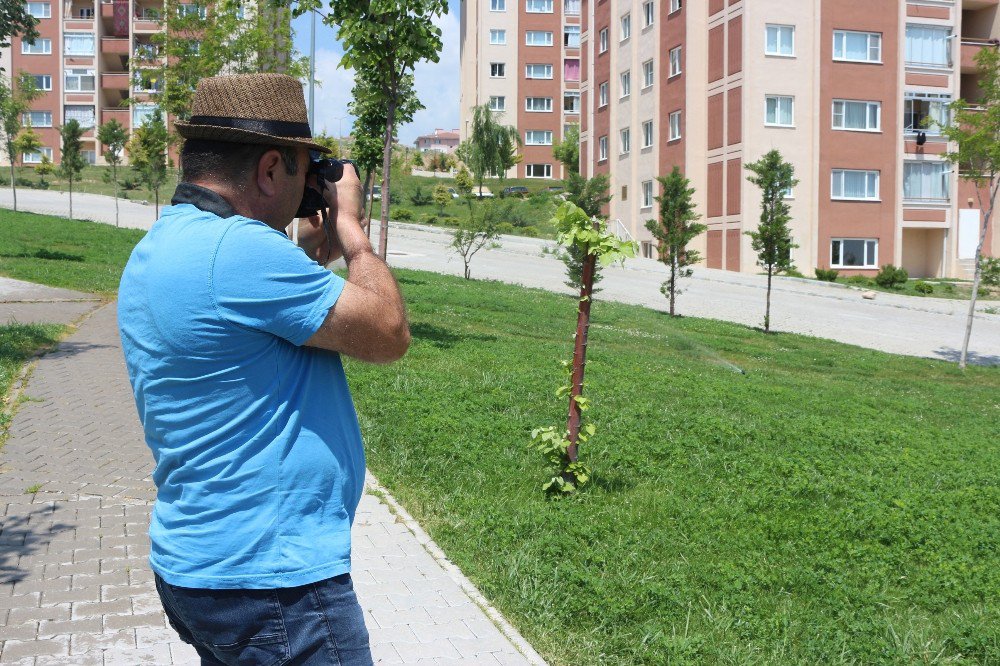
(262, 281)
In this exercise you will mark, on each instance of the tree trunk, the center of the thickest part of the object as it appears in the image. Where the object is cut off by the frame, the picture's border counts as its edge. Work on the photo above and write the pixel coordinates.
(468, 273)
(156, 198)
(71, 197)
(767, 309)
(369, 198)
(114, 175)
(13, 187)
(383, 232)
(673, 283)
(976, 275)
(579, 358)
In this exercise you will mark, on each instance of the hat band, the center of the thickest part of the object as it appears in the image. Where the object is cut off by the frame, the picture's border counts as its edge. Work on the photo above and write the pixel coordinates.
(273, 127)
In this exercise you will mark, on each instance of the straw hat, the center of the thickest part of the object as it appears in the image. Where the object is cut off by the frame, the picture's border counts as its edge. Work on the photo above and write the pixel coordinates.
(250, 108)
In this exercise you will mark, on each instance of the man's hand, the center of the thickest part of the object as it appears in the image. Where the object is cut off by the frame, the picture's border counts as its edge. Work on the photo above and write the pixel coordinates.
(344, 196)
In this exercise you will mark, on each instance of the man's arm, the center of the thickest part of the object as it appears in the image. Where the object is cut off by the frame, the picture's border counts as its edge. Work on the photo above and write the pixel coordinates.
(369, 319)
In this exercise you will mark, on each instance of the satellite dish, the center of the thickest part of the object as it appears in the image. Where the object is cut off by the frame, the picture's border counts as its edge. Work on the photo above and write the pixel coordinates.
(921, 138)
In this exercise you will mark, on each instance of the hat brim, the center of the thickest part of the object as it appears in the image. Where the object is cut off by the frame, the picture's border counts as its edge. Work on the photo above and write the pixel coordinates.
(233, 135)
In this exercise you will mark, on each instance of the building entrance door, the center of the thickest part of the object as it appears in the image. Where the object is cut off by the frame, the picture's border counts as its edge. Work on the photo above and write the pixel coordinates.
(968, 232)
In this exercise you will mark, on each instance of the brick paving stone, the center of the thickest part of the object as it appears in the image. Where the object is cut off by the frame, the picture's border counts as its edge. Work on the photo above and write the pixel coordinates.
(73, 557)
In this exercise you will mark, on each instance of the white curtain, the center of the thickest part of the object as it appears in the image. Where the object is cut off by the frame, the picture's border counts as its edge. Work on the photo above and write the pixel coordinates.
(926, 45)
(925, 180)
(856, 46)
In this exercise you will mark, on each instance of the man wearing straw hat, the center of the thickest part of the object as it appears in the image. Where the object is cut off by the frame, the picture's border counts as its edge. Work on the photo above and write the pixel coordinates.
(232, 338)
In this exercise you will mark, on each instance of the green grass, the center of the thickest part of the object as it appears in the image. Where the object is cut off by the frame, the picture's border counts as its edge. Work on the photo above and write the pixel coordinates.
(953, 289)
(92, 182)
(832, 505)
(86, 256)
(18, 342)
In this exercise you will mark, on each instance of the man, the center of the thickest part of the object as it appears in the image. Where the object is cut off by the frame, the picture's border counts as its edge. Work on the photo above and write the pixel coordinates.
(232, 337)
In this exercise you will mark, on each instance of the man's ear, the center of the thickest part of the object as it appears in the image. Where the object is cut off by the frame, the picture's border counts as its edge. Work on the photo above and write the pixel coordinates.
(267, 172)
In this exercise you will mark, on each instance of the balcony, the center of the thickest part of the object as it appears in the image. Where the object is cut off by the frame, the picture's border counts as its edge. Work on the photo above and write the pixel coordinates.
(972, 5)
(970, 49)
(114, 45)
(121, 115)
(116, 81)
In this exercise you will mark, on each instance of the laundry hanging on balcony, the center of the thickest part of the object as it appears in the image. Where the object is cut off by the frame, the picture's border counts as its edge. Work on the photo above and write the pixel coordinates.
(121, 18)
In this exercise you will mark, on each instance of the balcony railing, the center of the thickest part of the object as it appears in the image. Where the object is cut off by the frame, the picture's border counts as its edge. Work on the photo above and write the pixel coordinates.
(115, 45)
(970, 49)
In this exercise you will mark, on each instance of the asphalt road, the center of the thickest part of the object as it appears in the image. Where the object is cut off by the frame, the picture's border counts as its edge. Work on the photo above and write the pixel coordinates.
(928, 327)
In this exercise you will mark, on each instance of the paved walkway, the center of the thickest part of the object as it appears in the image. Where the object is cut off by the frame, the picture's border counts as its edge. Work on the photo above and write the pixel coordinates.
(75, 585)
(29, 303)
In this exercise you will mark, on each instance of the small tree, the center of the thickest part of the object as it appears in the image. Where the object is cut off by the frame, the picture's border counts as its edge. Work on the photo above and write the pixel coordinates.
(27, 142)
(567, 151)
(327, 141)
(976, 130)
(463, 182)
(772, 240)
(15, 100)
(491, 148)
(590, 195)
(113, 136)
(676, 228)
(479, 231)
(147, 150)
(72, 161)
(45, 168)
(442, 197)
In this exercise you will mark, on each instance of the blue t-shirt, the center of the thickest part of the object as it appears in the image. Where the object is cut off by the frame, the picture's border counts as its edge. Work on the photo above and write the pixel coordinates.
(259, 458)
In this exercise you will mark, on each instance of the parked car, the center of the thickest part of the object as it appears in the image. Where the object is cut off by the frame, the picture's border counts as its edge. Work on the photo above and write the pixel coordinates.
(484, 194)
(377, 192)
(515, 191)
(555, 189)
(453, 192)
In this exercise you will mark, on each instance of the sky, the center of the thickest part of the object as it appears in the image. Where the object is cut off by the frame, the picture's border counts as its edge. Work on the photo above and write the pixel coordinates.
(437, 83)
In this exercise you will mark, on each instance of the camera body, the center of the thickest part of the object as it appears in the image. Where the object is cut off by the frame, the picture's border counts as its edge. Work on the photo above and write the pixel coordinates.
(327, 172)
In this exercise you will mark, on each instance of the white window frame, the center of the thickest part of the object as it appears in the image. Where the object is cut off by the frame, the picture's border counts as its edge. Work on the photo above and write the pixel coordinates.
(675, 61)
(500, 67)
(571, 7)
(602, 94)
(546, 69)
(40, 47)
(842, 36)
(779, 28)
(869, 262)
(625, 141)
(625, 26)
(531, 35)
(625, 84)
(843, 115)
(546, 103)
(546, 170)
(141, 113)
(945, 177)
(869, 174)
(498, 5)
(948, 40)
(647, 194)
(498, 36)
(568, 32)
(777, 111)
(43, 78)
(674, 122)
(77, 75)
(944, 99)
(67, 36)
(648, 13)
(26, 118)
(648, 74)
(93, 116)
(538, 6)
(498, 103)
(29, 158)
(46, 9)
(647, 134)
(602, 148)
(574, 94)
(675, 6)
(187, 9)
(603, 40)
(538, 137)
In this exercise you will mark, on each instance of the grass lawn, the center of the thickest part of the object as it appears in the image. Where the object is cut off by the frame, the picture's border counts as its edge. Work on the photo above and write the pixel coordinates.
(17, 344)
(832, 505)
(954, 289)
(92, 182)
(86, 256)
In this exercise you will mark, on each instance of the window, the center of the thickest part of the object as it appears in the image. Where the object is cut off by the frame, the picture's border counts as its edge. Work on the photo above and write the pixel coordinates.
(571, 7)
(922, 112)
(647, 74)
(602, 94)
(604, 40)
(857, 46)
(538, 6)
(42, 81)
(571, 36)
(538, 104)
(39, 9)
(626, 22)
(789, 193)
(191, 10)
(83, 114)
(37, 118)
(498, 70)
(648, 14)
(926, 180)
(84, 13)
(928, 46)
(675, 126)
(40, 47)
(571, 69)
(90, 156)
(538, 138)
(779, 111)
(78, 43)
(571, 101)
(498, 5)
(602, 148)
(146, 80)
(35, 157)
(80, 80)
(647, 134)
(854, 253)
(538, 71)
(537, 38)
(675, 6)
(498, 103)
(626, 84)
(538, 171)
(141, 113)
(862, 116)
(852, 184)
(647, 194)
(780, 40)
(498, 37)
(675, 61)
(624, 141)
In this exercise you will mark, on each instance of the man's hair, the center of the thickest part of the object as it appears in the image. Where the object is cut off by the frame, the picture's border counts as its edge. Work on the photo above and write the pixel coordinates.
(224, 161)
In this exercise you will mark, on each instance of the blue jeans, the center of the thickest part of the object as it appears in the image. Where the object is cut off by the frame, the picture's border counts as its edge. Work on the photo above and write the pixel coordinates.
(320, 624)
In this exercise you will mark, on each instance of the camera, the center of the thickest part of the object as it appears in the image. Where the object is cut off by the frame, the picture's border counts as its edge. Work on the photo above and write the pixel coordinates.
(327, 171)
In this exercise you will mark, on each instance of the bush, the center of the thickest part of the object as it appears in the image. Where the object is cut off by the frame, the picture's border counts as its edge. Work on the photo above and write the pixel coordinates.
(429, 218)
(129, 183)
(859, 280)
(948, 288)
(891, 277)
(922, 287)
(450, 221)
(529, 231)
(827, 275)
(990, 271)
(794, 272)
(401, 214)
(421, 197)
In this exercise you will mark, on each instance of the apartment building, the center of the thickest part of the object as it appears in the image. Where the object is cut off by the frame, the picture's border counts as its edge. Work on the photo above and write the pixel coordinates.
(523, 58)
(843, 88)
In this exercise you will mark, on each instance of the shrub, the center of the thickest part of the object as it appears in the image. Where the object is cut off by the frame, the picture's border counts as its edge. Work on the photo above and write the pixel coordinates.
(827, 275)
(21, 181)
(922, 287)
(948, 288)
(529, 231)
(794, 272)
(402, 214)
(429, 218)
(450, 221)
(860, 280)
(421, 197)
(129, 183)
(891, 277)
(990, 271)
